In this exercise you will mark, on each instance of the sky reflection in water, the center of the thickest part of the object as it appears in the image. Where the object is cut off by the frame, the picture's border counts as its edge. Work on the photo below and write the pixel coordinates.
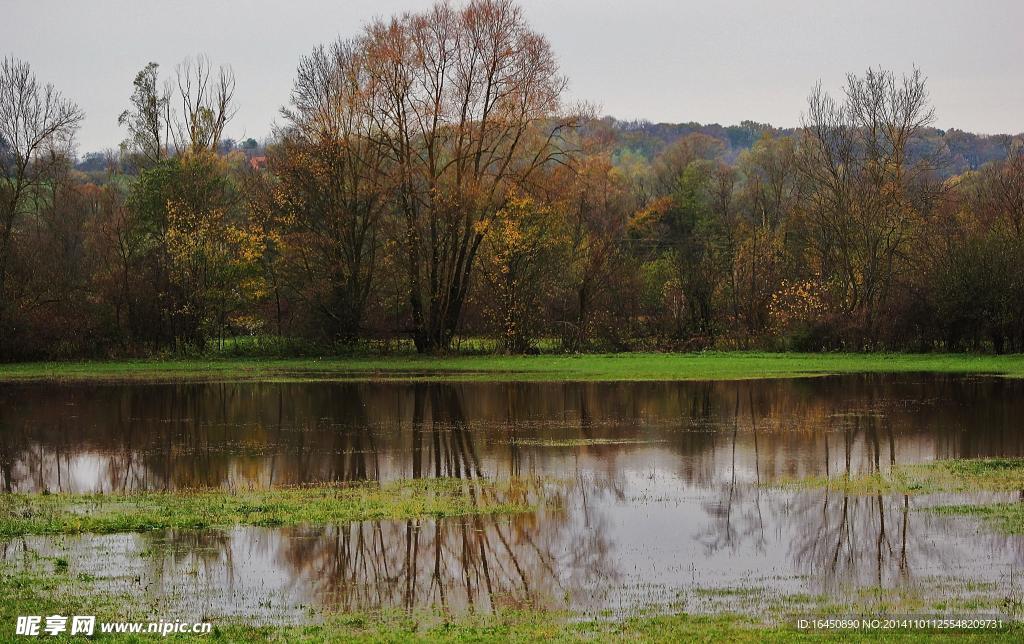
(671, 501)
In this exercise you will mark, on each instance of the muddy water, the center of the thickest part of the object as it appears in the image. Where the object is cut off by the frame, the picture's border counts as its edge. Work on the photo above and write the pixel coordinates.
(659, 491)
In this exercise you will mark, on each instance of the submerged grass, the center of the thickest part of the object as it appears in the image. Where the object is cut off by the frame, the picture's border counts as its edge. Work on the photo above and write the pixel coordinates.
(43, 586)
(35, 585)
(586, 367)
(1005, 517)
(579, 442)
(950, 476)
(50, 514)
(957, 476)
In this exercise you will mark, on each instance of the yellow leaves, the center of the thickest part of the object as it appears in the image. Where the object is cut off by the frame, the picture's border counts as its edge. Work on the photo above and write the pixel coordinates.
(651, 213)
(800, 301)
(523, 226)
(211, 255)
(520, 260)
(250, 323)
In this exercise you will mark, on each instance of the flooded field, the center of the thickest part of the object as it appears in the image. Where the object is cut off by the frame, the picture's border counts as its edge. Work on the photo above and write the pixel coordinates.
(653, 494)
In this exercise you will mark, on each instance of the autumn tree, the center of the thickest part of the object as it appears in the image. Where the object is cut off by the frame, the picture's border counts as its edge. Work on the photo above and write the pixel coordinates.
(270, 226)
(119, 281)
(193, 241)
(672, 162)
(37, 125)
(769, 190)
(967, 287)
(1000, 196)
(865, 191)
(58, 314)
(521, 260)
(684, 233)
(468, 104)
(598, 200)
(334, 178)
(213, 253)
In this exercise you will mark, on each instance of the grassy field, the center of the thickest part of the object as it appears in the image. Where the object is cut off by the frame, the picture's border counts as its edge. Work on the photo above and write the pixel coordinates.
(587, 367)
(536, 626)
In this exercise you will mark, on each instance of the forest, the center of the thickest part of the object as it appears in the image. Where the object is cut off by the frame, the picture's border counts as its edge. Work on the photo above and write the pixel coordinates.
(429, 183)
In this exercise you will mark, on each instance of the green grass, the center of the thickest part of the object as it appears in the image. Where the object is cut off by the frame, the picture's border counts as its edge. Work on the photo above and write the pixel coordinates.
(50, 514)
(597, 367)
(534, 626)
(951, 476)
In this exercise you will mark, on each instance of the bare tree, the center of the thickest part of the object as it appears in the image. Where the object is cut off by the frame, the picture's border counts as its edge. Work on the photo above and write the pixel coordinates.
(207, 104)
(865, 191)
(37, 127)
(1002, 192)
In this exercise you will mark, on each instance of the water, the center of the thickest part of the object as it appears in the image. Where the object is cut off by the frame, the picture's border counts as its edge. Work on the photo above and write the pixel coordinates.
(660, 492)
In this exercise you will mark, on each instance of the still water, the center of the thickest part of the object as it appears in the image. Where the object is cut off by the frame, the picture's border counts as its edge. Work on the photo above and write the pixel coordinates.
(659, 493)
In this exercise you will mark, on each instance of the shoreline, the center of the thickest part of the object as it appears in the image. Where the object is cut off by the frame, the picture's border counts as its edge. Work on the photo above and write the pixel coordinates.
(620, 367)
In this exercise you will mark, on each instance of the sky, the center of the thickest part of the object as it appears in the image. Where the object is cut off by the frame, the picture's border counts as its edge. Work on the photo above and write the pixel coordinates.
(719, 61)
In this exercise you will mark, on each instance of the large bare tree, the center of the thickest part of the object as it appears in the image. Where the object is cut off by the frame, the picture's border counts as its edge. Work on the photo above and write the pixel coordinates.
(467, 102)
(207, 99)
(37, 126)
(865, 191)
(333, 177)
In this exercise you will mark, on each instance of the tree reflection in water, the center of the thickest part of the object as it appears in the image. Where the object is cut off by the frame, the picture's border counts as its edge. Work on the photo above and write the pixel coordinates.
(648, 484)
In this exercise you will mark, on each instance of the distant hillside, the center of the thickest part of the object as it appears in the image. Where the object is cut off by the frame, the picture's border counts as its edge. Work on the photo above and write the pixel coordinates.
(959, 151)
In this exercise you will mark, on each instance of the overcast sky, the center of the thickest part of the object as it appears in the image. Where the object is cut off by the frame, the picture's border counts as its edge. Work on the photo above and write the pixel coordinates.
(722, 61)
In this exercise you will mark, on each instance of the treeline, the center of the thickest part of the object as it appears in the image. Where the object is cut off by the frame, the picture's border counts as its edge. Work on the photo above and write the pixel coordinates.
(429, 182)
